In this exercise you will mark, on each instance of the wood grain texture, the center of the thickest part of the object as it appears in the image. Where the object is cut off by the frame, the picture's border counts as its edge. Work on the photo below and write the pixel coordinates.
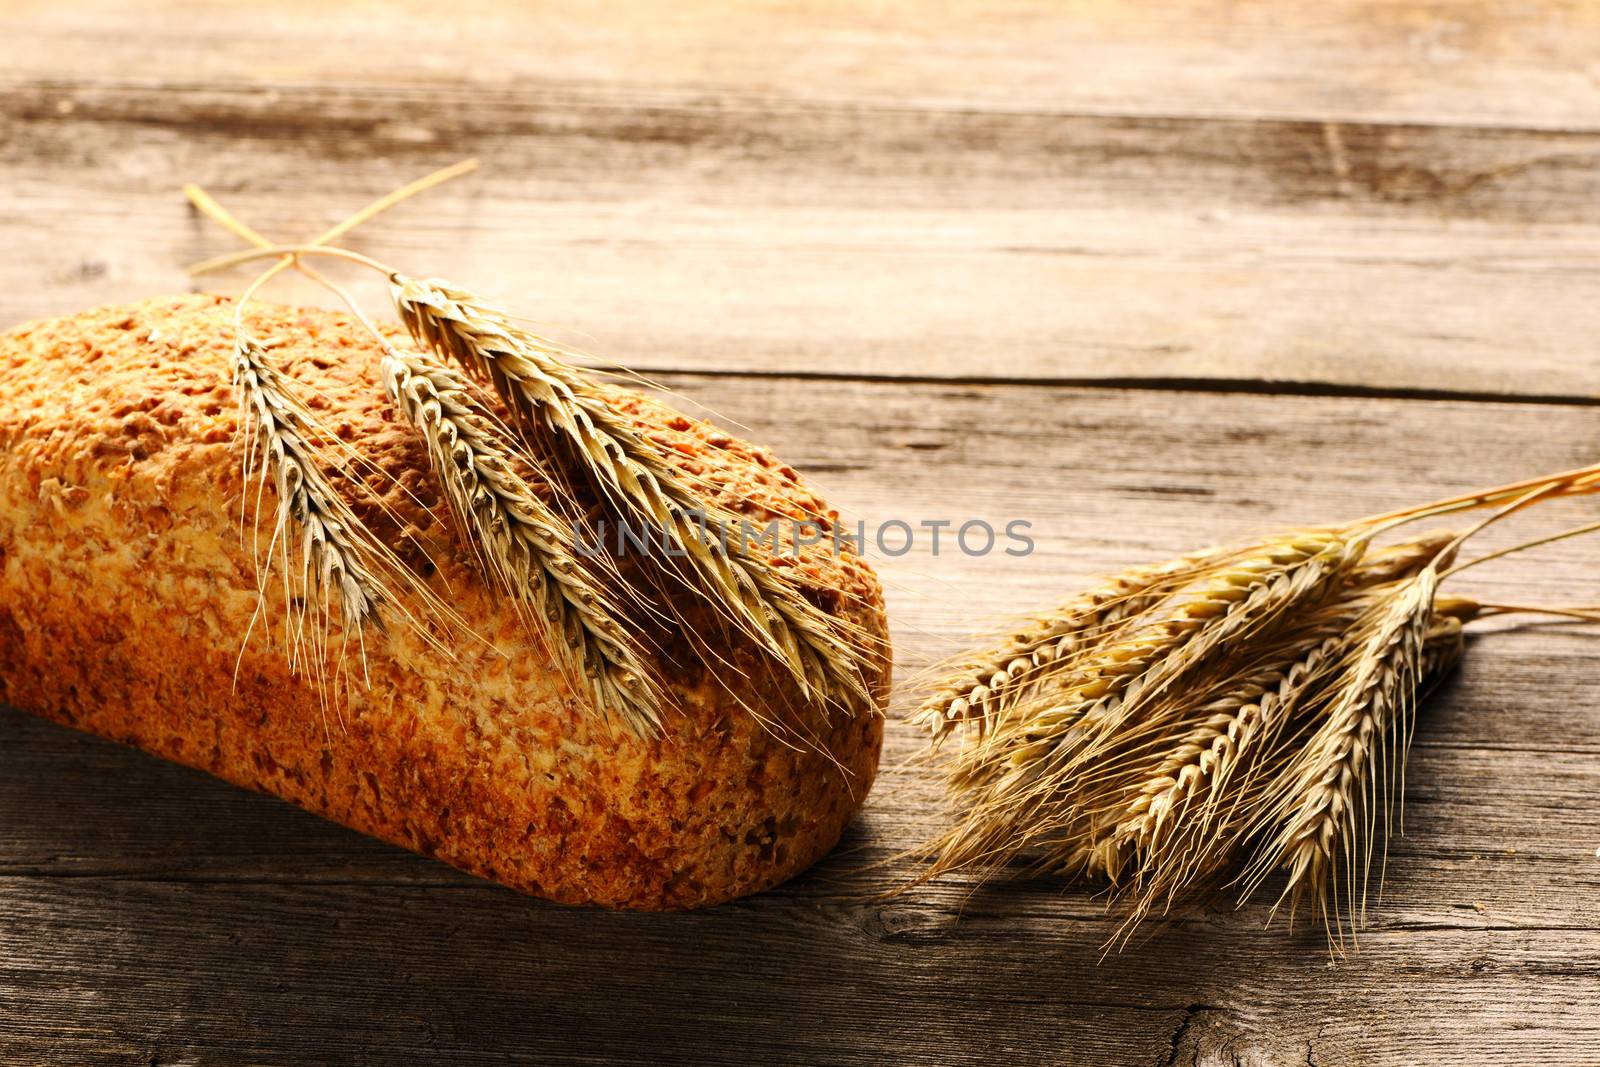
(1453, 61)
(1344, 252)
(1351, 222)
(179, 920)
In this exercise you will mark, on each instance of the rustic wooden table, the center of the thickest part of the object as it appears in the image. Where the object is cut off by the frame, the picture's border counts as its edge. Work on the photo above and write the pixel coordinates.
(1144, 274)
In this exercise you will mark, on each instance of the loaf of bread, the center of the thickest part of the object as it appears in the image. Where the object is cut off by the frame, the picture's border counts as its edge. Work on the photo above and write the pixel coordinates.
(128, 588)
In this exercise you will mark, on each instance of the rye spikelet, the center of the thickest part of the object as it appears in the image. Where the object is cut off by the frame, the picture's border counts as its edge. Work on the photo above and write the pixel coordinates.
(555, 405)
(1183, 825)
(1022, 783)
(1125, 687)
(1343, 778)
(1158, 751)
(338, 562)
(977, 688)
(522, 544)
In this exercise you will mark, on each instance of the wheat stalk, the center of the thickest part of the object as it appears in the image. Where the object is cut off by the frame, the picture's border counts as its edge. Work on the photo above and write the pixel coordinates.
(1213, 749)
(973, 689)
(978, 688)
(1213, 745)
(1184, 821)
(1209, 799)
(1127, 684)
(552, 400)
(1338, 779)
(1159, 749)
(1294, 677)
(554, 404)
(521, 542)
(1391, 563)
(1019, 782)
(339, 560)
(1098, 646)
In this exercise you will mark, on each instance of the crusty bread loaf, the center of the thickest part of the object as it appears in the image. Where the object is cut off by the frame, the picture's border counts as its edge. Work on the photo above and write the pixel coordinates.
(126, 591)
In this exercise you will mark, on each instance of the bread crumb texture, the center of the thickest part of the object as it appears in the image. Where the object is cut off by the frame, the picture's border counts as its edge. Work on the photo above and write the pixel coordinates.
(128, 586)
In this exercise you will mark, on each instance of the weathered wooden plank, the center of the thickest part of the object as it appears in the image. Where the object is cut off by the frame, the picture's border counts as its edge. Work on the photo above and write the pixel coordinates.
(1353, 195)
(148, 912)
(294, 974)
(1461, 61)
(668, 231)
(1499, 831)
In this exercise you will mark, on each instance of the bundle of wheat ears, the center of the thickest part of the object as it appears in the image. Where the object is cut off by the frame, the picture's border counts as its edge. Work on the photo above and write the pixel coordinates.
(469, 360)
(1192, 727)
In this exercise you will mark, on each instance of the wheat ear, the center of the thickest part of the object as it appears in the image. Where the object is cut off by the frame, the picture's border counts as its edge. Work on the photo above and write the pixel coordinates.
(1212, 749)
(1258, 704)
(520, 541)
(1340, 780)
(338, 559)
(974, 691)
(1251, 696)
(1043, 664)
(1027, 781)
(1128, 683)
(1185, 822)
(548, 395)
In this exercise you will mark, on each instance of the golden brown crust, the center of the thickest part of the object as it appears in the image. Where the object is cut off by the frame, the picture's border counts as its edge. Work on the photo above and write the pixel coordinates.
(126, 589)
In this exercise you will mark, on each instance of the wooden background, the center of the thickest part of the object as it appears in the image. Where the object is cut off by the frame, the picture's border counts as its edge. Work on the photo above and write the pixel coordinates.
(1144, 274)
